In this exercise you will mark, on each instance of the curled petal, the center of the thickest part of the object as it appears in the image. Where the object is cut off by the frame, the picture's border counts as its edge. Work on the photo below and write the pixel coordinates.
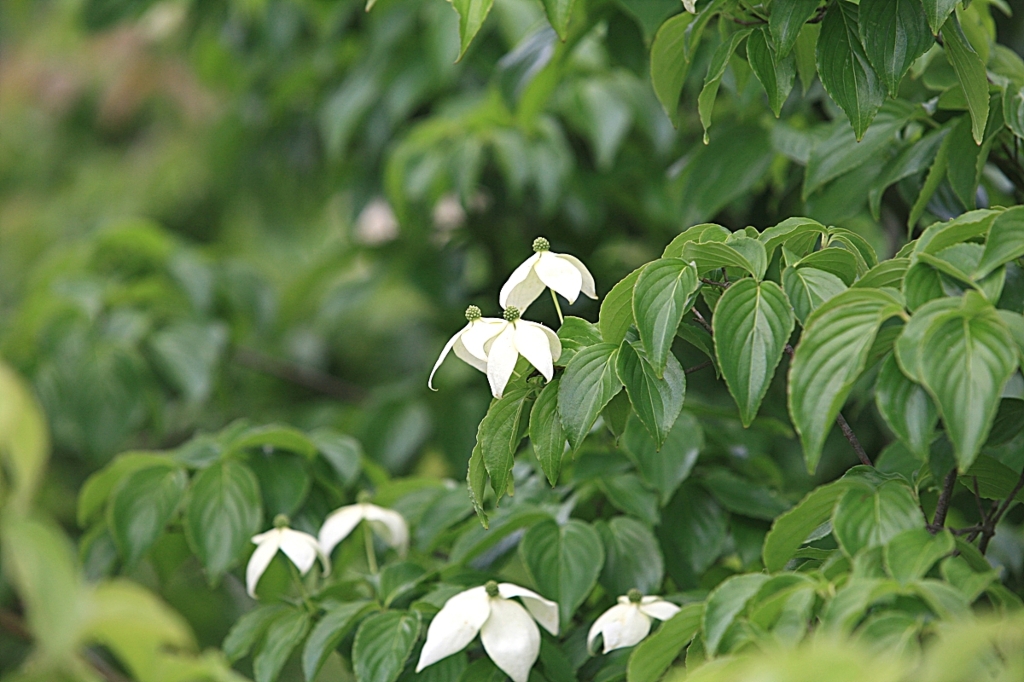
(475, 337)
(473, 361)
(268, 544)
(559, 274)
(532, 344)
(302, 549)
(339, 525)
(444, 353)
(622, 625)
(511, 639)
(544, 610)
(588, 288)
(389, 525)
(658, 608)
(523, 286)
(455, 625)
(501, 360)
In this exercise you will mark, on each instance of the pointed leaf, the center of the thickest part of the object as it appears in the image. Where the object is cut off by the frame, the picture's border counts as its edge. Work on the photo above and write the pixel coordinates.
(725, 603)
(937, 12)
(283, 635)
(668, 467)
(775, 73)
(790, 530)
(1005, 241)
(664, 292)
(140, 507)
(906, 408)
(657, 402)
(559, 12)
(499, 434)
(589, 382)
(894, 34)
(338, 620)
(970, 71)
(471, 17)
(383, 644)
(786, 20)
(808, 288)
(564, 562)
(546, 432)
(716, 70)
(670, 63)
(632, 557)
(653, 656)
(844, 69)
(616, 314)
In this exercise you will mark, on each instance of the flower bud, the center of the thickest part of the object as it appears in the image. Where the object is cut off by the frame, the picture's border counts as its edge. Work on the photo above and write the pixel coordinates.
(511, 314)
(473, 313)
(492, 588)
(541, 244)
(281, 521)
(635, 595)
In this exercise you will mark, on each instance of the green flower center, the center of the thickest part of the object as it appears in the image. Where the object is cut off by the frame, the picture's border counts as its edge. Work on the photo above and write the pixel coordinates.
(635, 595)
(281, 521)
(473, 313)
(363, 496)
(511, 313)
(492, 588)
(541, 244)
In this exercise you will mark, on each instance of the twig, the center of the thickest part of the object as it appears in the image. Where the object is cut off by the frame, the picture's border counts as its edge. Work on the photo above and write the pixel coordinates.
(990, 526)
(298, 375)
(723, 285)
(697, 368)
(942, 507)
(700, 319)
(852, 437)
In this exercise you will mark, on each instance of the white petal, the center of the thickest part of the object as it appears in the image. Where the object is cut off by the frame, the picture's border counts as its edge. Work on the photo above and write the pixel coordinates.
(501, 360)
(554, 343)
(455, 625)
(533, 345)
(261, 558)
(658, 608)
(444, 354)
(390, 526)
(523, 286)
(301, 548)
(511, 639)
(476, 336)
(544, 610)
(338, 525)
(560, 275)
(622, 625)
(469, 358)
(589, 289)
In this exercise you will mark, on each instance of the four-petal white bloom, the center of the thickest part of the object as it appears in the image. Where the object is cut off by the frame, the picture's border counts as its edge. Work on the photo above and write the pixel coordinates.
(388, 524)
(560, 272)
(629, 621)
(508, 633)
(302, 549)
(468, 342)
(516, 337)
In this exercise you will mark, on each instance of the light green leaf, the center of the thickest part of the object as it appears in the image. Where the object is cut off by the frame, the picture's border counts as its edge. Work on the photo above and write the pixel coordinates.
(894, 34)
(471, 17)
(725, 603)
(499, 434)
(616, 314)
(808, 288)
(546, 432)
(908, 345)
(559, 12)
(383, 644)
(1005, 241)
(774, 72)
(786, 19)
(705, 232)
(738, 252)
(564, 562)
(970, 71)
(632, 557)
(888, 273)
(575, 334)
(670, 63)
(912, 553)
(906, 407)
(283, 634)
(790, 530)
(664, 292)
(653, 656)
(337, 621)
(716, 70)
(871, 517)
(24, 440)
(140, 507)
(752, 324)
(657, 402)
(589, 382)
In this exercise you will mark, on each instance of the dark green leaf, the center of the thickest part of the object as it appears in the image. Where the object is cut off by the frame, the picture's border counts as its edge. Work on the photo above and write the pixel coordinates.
(187, 353)
(786, 19)
(670, 63)
(248, 629)
(632, 557)
(617, 309)
(499, 435)
(844, 69)
(995, 480)
(284, 481)
(742, 496)
(894, 34)
(576, 334)
(866, 518)
(93, 496)
(283, 635)
(970, 71)
(344, 453)
(906, 408)
(382, 645)
(915, 159)
(790, 530)
(693, 535)
(564, 562)
(663, 293)
(937, 12)
(657, 402)
(546, 431)
(589, 382)
(666, 468)
(140, 507)
(775, 73)
(652, 657)
(628, 494)
(716, 70)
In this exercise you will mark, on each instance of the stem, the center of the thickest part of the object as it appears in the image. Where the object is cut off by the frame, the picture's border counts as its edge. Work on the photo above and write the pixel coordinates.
(942, 507)
(371, 556)
(844, 426)
(990, 526)
(697, 368)
(721, 285)
(558, 308)
(303, 593)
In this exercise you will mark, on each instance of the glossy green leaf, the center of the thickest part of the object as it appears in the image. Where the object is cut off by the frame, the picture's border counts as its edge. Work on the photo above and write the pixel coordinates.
(716, 70)
(663, 293)
(652, 657)
(657, 402)
(775, 72)
(912, 553)
(908, 345)
(786, 19)
(888, 273)
(283, 634)
(140, 507)
(546, 432)
(1005, 241)
(564, 562)
(694, 534)
(791, 529)
(589, 382)
(471, 17)
(559, 12)
(830, 357)
(866, 518)
(906, 407)
(499, 435)
(725, 603)
(575, 334)
(739, 252)
(808, 288)
(937, 12)
(970, 71)
(894, 34)
(224, 511)
(666, 467)
(337, 621)
(752, 324)
(632, 557)
(844, 69)
(670, 63)
(617, 309)
(382, 645)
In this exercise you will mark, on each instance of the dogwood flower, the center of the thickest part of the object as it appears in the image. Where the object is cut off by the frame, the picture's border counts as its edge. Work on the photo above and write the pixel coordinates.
(516, 337)
(389, 525)
(562, 273)
(508, 633)
(302, 549)
(468, 342)
(629, 621)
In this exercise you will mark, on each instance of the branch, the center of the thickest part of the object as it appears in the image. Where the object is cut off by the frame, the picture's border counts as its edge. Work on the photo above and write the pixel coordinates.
(299, 375)
(697, 368)
(939, 521)
(990, 525)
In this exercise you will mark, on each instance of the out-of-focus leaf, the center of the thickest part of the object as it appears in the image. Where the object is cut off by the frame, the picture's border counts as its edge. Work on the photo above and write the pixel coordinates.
(382, 645)
(632, 557)
(140, 507)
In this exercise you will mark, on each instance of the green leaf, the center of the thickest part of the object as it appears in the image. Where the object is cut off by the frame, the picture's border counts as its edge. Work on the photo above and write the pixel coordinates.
(499, 435)
(337, 621)
(653, 656)
(866, 518)
(224, 510)
(546, 432)
(752, 324)
(24, 441)
(140, 507)
(629, 494)
(790, 229)
(471, 17)
(725, 603)
(632, 557)
(343, 453)
(665, 468)
(1005, 241)
(93, 496)
(966, 358)
(805, 50)
(808, 288)
(274, 437)
(284, 481)
(575, 334)
(694, 534)
(786, 19)
(774, 72)
(908, 345)
(283, 635)
(738, 252)
(705, 232)
(616, 413)
(187, 353)
(995, 480)
(911, 161)
(1013, 108)
(970, 71)
(664, 292)
(248, 629)
(589, 382)
(888, 273)
(716, 70)
(564, 562)
(790, 530)
(937, 12)
(742, 496)
(894, 34)
(912, 553)
(844, 69)
(382, 645)
(559, 12)
(657, 402)
(476, 482)
(906, 408)
(830, 357)
(616, 314)
(936, 174)
(670, 63)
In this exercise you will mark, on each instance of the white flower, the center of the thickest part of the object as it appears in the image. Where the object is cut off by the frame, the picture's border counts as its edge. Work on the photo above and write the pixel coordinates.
(388, 524)
(516, 337)
(563, 273)
(301, 548)
(690, 6)
(468, 342)
(629, 621)
(509, 635)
